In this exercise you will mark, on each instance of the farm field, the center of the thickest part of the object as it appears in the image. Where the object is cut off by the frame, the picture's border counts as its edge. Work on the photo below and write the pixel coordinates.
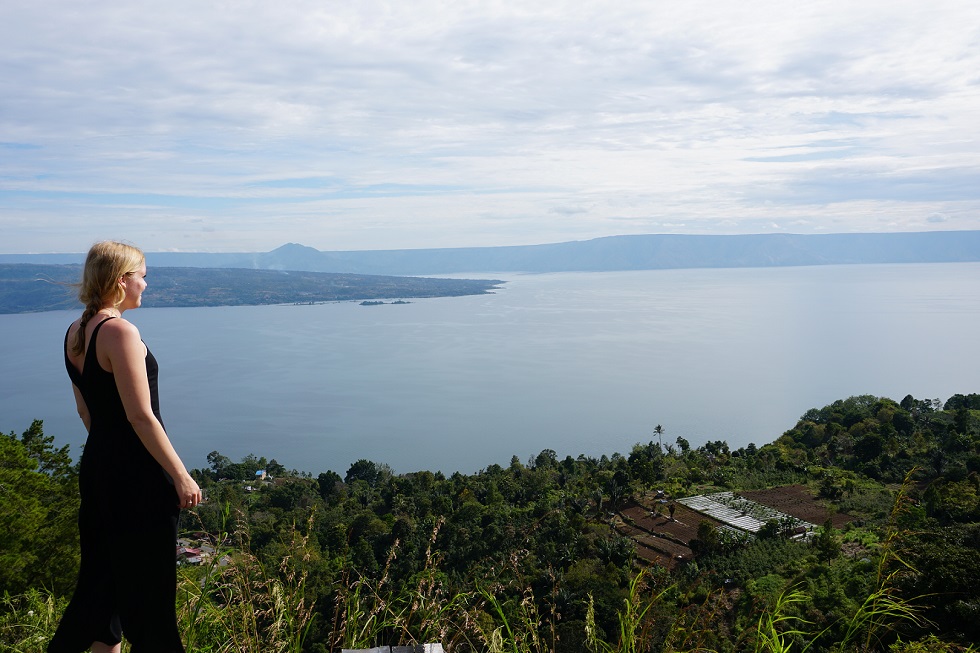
(658, 538)
(796, 500)
(664, 541)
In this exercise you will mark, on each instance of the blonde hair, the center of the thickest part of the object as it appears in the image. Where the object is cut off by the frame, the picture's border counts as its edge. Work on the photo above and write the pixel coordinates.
(105, 264)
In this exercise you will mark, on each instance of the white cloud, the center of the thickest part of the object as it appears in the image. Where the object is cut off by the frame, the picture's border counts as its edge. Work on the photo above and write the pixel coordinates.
(369, 124)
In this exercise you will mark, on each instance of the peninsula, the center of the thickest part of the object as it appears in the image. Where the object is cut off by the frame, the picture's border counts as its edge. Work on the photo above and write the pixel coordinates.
(27, 288)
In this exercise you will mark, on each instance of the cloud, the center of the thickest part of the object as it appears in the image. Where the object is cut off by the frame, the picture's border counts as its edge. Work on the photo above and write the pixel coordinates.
(836, 185)
(477, 124)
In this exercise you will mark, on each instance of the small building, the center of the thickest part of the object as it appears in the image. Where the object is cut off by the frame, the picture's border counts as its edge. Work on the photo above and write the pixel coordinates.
(189, 555)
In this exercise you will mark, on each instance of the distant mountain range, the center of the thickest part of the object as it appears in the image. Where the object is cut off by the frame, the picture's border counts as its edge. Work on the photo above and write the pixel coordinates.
(642, 252)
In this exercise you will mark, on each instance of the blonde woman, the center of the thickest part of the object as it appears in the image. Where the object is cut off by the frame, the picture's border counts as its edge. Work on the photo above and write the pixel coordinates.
(132, 482)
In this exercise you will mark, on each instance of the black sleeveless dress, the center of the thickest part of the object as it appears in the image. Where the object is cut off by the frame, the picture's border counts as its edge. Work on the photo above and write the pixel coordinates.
(127, 583)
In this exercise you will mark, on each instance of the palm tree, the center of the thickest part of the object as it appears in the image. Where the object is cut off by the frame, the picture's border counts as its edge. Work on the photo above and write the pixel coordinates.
(659, 430)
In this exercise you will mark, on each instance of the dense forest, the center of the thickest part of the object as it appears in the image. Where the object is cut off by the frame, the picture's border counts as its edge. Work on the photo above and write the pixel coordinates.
(544, 554)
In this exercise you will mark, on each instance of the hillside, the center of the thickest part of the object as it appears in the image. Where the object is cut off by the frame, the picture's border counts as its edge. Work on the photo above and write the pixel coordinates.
(632, 252)
(28, 288)
(867, 507)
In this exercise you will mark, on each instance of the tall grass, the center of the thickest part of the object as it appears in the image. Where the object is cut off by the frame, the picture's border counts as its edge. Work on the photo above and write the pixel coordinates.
(237, 604)
(643, 627)
(370, 613)
(28, 621)
(633, 627)
(777, 628)
(517, 628)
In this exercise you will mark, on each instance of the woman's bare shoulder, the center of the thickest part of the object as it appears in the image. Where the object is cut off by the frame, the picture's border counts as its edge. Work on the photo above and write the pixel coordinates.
(120, 331)
(120, 324)
(74, 326)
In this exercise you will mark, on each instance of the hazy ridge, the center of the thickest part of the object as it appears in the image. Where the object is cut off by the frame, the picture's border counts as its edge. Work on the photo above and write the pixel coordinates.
(637, 252)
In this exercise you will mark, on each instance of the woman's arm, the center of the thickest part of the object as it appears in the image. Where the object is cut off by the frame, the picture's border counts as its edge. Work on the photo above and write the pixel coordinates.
(126, 356)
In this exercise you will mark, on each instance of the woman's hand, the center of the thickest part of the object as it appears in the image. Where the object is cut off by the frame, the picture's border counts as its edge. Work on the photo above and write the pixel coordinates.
(188, 492)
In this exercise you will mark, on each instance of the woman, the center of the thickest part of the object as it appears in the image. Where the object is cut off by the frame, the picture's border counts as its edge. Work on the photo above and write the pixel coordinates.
(132, 482)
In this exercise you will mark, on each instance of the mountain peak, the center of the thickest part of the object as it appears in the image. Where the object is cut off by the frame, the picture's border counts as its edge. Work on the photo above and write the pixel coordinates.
(294, 248)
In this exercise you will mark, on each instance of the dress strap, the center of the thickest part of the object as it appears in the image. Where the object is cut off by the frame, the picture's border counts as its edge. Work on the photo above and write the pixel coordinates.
(99, 326)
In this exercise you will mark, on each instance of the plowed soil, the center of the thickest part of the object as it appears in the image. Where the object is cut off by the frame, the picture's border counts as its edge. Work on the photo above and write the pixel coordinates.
(796, 500)
(660, 539)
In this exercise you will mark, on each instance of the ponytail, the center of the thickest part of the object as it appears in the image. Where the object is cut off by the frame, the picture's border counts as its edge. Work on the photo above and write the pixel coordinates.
(78, 342)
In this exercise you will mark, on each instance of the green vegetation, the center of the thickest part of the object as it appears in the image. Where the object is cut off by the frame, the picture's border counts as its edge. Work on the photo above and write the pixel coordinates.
(527, 557)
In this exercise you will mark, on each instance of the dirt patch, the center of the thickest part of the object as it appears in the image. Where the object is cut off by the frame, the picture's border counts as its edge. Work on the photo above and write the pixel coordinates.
(660, 539)
(681, 529)
(654, 550)
(799, 502)
(654, 557)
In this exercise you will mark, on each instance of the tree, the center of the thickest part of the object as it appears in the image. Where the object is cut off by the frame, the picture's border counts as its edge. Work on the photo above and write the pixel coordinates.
(659, 432)
(219, 464)
(54, 462)
(275, 469)
(770, 530)
(708, 540)
(646, 463)
(547, 459)
(39, 510)
(957, 401)
(328, 484)
(363, 470)
(293, 494)
(826, 542)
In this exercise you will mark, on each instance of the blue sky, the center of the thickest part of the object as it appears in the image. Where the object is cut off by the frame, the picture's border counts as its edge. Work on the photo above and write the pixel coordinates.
(239, 126)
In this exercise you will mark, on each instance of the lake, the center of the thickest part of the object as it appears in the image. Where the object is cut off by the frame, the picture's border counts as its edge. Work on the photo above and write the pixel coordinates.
(574, 362)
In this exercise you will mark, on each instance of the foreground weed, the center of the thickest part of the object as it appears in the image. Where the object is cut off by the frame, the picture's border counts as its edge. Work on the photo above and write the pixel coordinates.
(520, 626)
(244, 607)
(375, 612)
(635, 625)
(518, 635)
(28, 621)
(884, 609)
(362, 612)
(431, 612)
(777, 628)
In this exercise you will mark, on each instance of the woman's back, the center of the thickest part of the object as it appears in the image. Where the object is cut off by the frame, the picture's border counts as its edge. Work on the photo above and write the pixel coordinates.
(119, 473)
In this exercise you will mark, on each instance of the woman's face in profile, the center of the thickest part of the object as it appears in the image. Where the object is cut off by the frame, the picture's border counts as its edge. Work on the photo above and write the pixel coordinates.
(135, 283)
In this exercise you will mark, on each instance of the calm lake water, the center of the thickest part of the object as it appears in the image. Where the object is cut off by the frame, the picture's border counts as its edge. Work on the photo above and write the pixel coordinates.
(575, 362)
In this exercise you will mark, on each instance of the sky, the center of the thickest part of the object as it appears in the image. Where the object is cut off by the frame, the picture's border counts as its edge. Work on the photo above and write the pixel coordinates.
(242, 125)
